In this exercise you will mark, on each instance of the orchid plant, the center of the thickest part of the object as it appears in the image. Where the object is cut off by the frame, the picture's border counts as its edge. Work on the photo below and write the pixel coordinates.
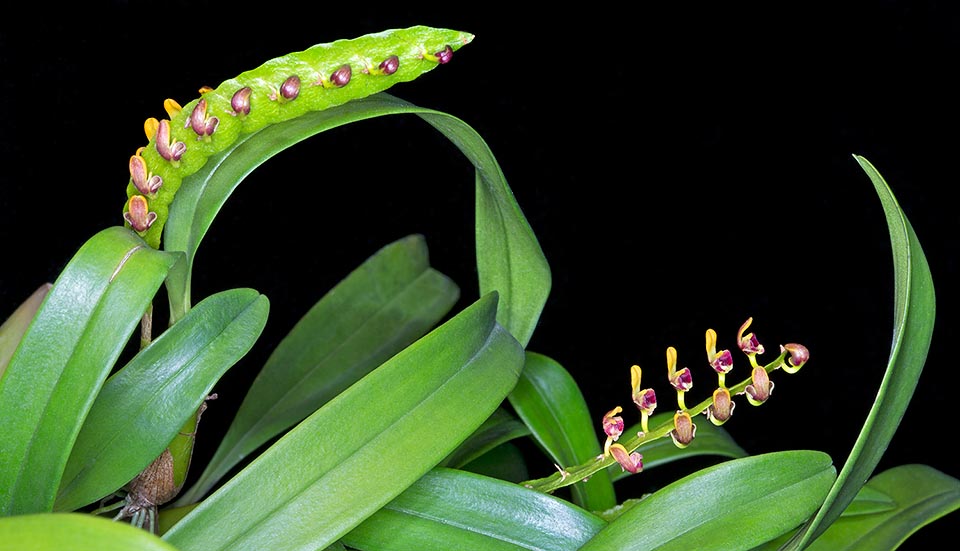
(383, 420)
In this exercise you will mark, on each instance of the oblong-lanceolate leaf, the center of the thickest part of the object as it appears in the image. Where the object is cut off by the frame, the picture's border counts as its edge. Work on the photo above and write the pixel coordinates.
(364, 447)
(549, 401)
(63, 359)
(74, 532)
(451, 510)
(710, 440)
(143, 406)
(389, 301)
(738, 504)
(12, 330)
(913, 319)
(509, 258)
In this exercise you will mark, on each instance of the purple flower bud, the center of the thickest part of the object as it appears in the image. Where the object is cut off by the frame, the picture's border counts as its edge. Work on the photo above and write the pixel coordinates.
(341, 76)
(290, 88)
(138, 214)
(798, 356)
(240, 102)
(444, 55)
(390, 65)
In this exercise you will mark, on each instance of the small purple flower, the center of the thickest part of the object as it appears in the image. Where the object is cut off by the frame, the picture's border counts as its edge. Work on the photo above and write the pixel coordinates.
(289, 90)
(169, 150)
(146, 183)
(138, 214)
(632, 462)
(445, 55)
(202, 124)
(722, 407)
(759, 391)
(684, 429)
(798, 356)
(748, 343)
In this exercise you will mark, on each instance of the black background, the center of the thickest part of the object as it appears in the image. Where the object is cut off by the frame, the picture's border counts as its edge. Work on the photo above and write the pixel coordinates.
(682, 167)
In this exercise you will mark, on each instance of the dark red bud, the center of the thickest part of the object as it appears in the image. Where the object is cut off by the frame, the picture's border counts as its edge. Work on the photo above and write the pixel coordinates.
(290, 88)
(341, 76)
(240, 102)
(445, 55)
(390, 65)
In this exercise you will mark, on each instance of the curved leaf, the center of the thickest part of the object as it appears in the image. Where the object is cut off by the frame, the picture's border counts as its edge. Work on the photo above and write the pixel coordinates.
(710, 440)
(63, 359)
(509, 258)
(143, 406)
(74, 532)
(506, 462)
(364, 447)
(734, 505)
(456, 510)
(392, 299)
(888, 510)
(913, 314)
(12, 330)
(549, 401)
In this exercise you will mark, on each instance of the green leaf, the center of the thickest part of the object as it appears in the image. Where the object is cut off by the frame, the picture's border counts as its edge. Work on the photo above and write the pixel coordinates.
(366, 446)
(12, 330)
(467, 512)
(888, 510)
(549, 401)
(734, 505)
(913, 313)
(74, 532)
(63, 359)
(392, 299)
(710, 440)
(499, 428)
(143, 406)
(509, 258)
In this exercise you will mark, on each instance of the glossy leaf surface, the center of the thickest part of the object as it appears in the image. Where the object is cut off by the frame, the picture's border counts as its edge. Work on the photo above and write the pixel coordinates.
(385, 304)
(63, 359)
(366, 446)
(16, 324)
(142, 407)
(734, 505)
(913, 314)
(74, 532)
(459, 511)
(889, 509)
